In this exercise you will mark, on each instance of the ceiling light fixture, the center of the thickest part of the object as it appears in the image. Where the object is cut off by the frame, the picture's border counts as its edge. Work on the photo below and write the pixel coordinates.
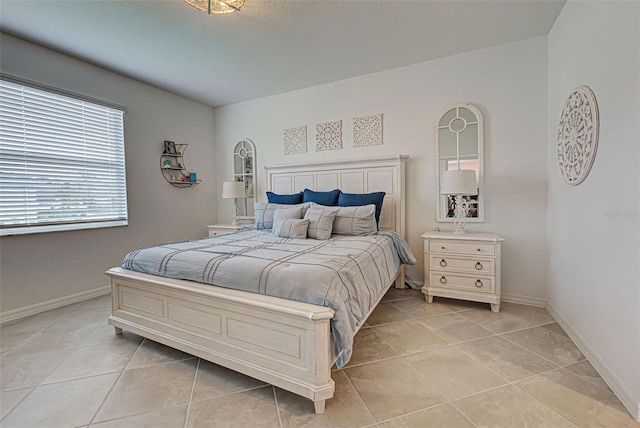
(217, 7)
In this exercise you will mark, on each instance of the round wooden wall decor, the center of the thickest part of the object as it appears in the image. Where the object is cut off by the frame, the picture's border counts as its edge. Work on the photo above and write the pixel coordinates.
(578, 135)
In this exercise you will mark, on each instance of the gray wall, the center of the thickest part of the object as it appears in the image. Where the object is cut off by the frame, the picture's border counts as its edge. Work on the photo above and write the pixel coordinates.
(41, 267)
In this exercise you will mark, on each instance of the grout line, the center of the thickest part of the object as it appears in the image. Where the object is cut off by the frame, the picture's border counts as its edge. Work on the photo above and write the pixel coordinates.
(114, 384)
(544, 405)
(275, 399)
(193, 388)
(18, 403)
(462, 413)
(355, 390)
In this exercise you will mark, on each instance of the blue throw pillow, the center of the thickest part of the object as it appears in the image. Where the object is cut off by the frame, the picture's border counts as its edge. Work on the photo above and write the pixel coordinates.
(293, 199)
(358, 199)
(329, 199)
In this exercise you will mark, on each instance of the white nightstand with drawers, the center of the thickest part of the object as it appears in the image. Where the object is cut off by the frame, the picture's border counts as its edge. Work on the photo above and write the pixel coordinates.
(463, 267)
(223, 229)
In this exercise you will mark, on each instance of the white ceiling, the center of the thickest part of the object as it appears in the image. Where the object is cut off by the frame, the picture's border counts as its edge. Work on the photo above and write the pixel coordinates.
(269, 47)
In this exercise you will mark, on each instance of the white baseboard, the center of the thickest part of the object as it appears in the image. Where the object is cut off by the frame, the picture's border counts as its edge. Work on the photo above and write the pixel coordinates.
(15, 314)
(631, 403)
(524, 300)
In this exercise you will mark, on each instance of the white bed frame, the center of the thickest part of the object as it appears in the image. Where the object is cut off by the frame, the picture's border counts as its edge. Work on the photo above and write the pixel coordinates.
(278, 341)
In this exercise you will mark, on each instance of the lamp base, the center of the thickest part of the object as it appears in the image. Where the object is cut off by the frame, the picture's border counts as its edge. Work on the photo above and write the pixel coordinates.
(460, 231)
(235, 222)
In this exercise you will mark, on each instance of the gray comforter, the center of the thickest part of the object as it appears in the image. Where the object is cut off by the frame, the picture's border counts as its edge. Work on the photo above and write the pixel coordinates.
(345, 273)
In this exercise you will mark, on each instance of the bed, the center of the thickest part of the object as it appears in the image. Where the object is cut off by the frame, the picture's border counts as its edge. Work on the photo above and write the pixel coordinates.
(283, 342)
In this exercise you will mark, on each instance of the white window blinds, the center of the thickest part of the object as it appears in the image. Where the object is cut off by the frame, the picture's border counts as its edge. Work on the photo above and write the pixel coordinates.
(62, 163)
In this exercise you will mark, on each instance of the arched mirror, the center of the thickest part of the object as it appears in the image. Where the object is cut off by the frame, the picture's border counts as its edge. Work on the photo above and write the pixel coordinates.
(459, 145)
(244, 169)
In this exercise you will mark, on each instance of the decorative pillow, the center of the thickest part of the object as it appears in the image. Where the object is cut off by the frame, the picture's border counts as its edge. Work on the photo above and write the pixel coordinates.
(293, 199)
(329, 199)
(357, 199)
(263, 213)
(357, 221)
(320, 222)
(291, 228)
(285, 213)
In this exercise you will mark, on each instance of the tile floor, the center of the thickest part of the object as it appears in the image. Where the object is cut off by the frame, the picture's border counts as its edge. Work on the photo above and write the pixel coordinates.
(446, 364)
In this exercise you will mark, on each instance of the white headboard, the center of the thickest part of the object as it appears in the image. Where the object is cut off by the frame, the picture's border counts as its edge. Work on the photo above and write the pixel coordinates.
(383, 174)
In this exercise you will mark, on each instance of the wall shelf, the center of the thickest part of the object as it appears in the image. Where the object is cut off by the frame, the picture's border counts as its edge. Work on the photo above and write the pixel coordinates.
(173, 168)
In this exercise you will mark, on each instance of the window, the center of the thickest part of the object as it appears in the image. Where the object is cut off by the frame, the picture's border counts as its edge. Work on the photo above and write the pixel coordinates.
(62, 163)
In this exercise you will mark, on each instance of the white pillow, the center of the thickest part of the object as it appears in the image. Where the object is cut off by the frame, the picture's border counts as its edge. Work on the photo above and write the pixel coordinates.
(264, 211)
(284, 213)
(320, 222)
(357, 221)
(291, 228)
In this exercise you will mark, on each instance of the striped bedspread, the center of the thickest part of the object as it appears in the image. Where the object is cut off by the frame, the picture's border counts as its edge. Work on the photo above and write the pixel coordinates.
(345, 273)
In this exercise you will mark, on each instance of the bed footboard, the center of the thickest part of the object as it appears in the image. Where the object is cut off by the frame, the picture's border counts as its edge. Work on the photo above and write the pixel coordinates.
(281, 342)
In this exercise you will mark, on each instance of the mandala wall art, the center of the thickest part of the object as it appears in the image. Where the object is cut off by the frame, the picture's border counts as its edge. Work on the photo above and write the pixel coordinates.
(329, 136)
(578, 135)
(367, 130)
(295, 140)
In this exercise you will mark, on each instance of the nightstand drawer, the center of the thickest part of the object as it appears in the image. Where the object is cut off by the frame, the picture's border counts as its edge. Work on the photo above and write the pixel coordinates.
(472, 266)
(480, 249)
(459, 282)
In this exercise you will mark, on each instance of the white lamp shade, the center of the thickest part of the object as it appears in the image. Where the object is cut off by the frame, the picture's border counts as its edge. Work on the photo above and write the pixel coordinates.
(233, 189)
(459, 182)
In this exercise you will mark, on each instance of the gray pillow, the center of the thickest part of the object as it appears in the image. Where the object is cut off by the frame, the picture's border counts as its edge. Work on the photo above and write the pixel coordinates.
(263, 213)
(359, 221)
(291, 228)
(320, 222)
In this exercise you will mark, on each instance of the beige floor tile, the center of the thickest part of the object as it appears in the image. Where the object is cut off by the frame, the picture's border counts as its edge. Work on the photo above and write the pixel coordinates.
(82, 316)
(400, 294)
(585, 370)
(547, 342)
(453, 373)
(64, 404)
(149, 388)
(368, 346)
(508, 360)
(34, 322)
(409, 336)
(9, 399)
(255, 408)
(386, 313)
(95, 360)
(419, 308)
(454, 328)
(532, 314)
(577, 400)
(153, 353)
(10, 340)
(393, 388)
(500, 322)
(508, 407)
(21, 369)
(173, 417)
(443, 416)
(214, 381)
(105, 333)
(57, 338)
(345, 409)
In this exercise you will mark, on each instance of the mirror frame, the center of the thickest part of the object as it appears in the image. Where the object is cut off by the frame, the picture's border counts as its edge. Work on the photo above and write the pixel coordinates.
(245, 172)
(481, 188)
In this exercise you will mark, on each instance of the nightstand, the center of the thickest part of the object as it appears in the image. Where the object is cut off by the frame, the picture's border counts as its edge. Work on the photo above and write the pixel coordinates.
(463, 267)
(223, 229)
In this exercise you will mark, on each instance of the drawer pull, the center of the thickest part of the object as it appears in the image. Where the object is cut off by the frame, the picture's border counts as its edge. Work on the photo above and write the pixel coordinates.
(443, 248)
(443, 280)
(479, 266)
(443, 263)
(479, 249)
(479, 283)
